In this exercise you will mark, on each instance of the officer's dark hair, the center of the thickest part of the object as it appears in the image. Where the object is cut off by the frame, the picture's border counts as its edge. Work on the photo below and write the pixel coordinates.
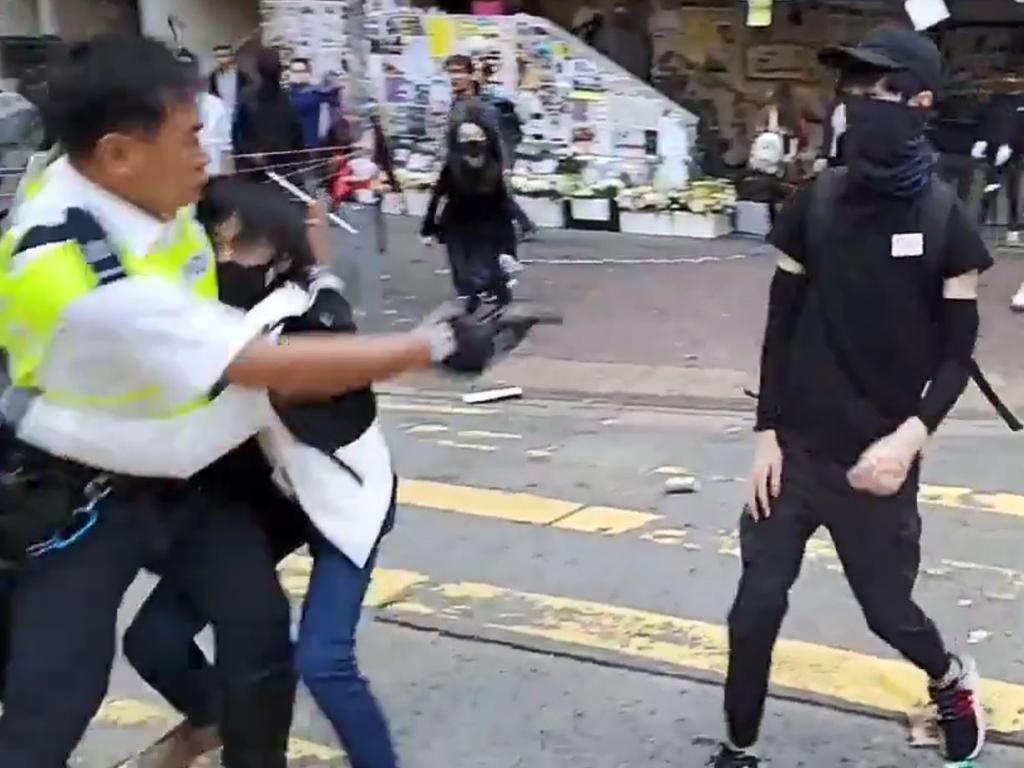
(264, 215)
(113, 83)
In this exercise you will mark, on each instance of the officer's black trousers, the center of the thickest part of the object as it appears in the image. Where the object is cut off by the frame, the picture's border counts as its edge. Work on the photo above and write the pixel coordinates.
(62, 629)
(878, 543)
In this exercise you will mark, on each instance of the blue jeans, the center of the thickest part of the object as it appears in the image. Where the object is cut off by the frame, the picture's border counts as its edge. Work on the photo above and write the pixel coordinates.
(160, 645)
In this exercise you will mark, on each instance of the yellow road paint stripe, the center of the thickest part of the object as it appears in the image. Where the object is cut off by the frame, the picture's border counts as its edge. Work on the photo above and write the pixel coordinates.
(128, 713)
(820, 671)
(522, 508)
(388, 586)
(613, 521)
(958, 497)
(608, 521)
(484, 502)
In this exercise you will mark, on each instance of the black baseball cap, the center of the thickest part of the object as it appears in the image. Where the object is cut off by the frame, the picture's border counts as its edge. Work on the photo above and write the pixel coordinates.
(891, 49)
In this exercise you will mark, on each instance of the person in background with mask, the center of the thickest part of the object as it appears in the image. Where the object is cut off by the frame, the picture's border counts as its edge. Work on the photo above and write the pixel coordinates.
(308, 100)
(227, 82)
(215, 135)
(874, 302)
(268, 131)
(476, 224)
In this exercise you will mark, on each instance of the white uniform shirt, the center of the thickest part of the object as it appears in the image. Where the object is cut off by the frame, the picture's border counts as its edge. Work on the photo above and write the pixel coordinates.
(136, 334)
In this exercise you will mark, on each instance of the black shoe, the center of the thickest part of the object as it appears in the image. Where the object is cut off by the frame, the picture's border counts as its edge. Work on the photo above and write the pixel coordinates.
(727, 757)
(961, 716)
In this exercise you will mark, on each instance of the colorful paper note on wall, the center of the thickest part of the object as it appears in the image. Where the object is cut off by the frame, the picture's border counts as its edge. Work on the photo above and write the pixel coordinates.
(488, 8)
(441, 34)
(926, 13)
(759, 13)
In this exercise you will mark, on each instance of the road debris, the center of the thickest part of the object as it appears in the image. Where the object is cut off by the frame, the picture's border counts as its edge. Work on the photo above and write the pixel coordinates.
(492, 395)
(538, 455)
(923, 725)
(682, 484)
(976, 636)
(427, 429)
(965, 603)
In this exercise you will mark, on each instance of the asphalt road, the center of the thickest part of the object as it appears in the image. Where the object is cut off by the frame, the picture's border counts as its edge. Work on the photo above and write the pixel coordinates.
(543, 603)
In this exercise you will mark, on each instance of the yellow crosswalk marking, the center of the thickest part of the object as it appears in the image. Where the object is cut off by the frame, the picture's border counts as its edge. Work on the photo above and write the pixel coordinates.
(609, 521)
(128, 713)
(856, 679)
(957, 497)
(531, 509)
(484, 502)
(522, 507)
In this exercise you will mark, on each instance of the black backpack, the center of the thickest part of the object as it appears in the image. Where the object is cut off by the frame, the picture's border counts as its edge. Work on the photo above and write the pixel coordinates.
(937, 207)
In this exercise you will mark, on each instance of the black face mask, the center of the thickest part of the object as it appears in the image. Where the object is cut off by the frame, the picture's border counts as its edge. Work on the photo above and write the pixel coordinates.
(885, 146)
(242, 286)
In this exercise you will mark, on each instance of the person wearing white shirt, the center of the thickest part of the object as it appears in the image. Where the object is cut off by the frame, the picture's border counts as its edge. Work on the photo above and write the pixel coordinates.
(215, 135)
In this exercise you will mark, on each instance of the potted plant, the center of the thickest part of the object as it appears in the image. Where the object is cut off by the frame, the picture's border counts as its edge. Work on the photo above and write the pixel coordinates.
(416, 186)
(644, 211)
(541, 198)
(703, 209)
(593, 206)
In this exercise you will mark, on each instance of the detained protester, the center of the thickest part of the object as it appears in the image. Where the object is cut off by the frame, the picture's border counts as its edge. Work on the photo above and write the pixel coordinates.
(476, 224)
(334, 466)
(874, 302)
(116, 345)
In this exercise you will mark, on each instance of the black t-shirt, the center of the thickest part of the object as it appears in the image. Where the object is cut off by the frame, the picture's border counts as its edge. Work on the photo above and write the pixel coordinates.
(869, 335)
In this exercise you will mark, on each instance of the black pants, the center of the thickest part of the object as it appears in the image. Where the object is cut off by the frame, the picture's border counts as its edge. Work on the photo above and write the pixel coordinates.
(61, 635)
(1009, 176)
(878, 542)
(476, 269)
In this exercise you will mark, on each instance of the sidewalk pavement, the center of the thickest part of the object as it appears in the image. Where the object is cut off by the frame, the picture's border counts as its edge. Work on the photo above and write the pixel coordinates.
(657, 320)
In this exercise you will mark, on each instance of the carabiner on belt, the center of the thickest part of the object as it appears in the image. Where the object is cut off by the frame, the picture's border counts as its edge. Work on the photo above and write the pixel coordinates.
(83, 519)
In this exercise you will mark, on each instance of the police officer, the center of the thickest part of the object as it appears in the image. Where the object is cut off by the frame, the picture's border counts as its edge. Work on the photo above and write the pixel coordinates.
(110, 324)
(874, 302)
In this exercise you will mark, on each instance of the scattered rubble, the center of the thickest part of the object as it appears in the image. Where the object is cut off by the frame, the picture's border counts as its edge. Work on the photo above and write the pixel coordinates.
(682, 484)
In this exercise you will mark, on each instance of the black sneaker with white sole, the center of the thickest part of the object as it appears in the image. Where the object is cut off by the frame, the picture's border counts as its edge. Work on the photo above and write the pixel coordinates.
(727, 757)
(961, 716)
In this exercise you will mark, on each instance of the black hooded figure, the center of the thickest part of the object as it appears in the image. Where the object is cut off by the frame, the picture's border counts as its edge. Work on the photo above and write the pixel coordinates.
(475, 224)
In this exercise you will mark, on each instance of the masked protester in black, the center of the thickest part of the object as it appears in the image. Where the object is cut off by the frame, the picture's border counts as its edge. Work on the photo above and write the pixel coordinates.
(874, 302)
(476, 224)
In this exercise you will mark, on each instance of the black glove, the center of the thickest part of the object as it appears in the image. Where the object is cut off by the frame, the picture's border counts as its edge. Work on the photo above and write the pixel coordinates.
(475, 346)
(469, 342)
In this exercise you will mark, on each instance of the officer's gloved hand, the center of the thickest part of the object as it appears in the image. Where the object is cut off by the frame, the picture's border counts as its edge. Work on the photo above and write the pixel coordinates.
(459, 341)
(979, 149)
(1003, 155)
